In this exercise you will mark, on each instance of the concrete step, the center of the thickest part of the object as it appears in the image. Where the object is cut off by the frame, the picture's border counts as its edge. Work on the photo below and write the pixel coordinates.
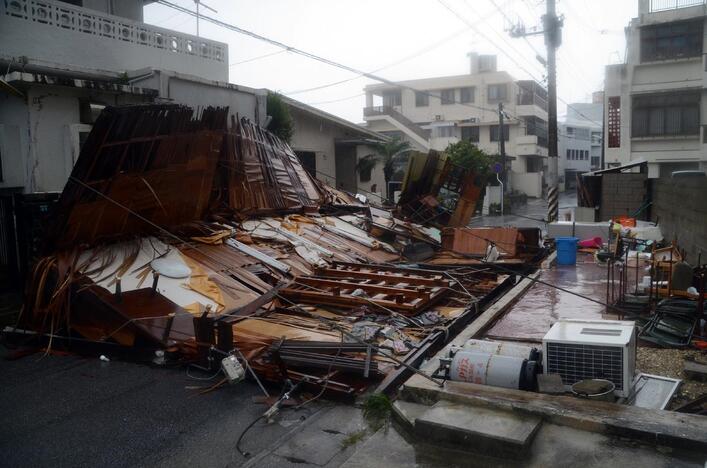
(406, 412)
(502, 433)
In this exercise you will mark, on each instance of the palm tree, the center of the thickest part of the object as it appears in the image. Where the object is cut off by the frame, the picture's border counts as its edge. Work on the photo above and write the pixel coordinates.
(387, 152)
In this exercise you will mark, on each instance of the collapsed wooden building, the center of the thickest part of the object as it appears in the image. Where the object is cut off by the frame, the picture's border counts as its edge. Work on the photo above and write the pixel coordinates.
(199, 238)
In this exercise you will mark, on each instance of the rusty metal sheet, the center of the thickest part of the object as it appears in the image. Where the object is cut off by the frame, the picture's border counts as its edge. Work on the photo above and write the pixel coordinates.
(475, 240)
(132, 173)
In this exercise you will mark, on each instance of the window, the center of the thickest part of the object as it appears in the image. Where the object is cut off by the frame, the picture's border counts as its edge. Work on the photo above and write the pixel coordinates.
(671, 40)
(467, 94)
(308, 159)
(568, 155)
(570, 131)
(422, 99)
(495, 133)
(595, 161)
(534, 164)
(538, 127)
(614, 122)
(497, 92)
(666, 114)
(470, 134)
(447, 96)
(392, 98)
(444, 132)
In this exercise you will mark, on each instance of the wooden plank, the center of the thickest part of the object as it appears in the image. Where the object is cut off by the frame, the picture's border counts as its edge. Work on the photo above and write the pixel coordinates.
(314, 297)
(388, 290)
(401, 270)
(386, 278)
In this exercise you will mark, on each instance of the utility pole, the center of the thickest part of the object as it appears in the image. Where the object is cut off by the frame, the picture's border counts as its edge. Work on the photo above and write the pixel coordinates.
(502, 141)
(552, 30)
(198, 3)
(553, 37)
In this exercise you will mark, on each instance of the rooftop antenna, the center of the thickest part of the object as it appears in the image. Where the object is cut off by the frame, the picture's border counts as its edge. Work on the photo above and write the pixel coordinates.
(198, 3)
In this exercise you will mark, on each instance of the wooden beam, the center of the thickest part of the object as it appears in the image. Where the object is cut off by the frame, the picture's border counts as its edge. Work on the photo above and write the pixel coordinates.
(386, 278)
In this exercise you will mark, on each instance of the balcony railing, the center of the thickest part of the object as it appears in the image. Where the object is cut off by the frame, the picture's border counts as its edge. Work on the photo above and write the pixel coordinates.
(665, 5)
(390, 111)
(524, 99)
(82, 20)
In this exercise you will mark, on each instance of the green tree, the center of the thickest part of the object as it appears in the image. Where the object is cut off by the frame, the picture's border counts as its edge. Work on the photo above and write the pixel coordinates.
(281, 124)
(386, 153)
(469, 156)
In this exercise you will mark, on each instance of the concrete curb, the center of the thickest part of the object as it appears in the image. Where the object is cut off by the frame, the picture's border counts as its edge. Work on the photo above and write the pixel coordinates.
(652, 426)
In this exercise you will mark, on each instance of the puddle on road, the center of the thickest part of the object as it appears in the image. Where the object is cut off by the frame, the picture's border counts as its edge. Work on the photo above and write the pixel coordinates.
(542, 305)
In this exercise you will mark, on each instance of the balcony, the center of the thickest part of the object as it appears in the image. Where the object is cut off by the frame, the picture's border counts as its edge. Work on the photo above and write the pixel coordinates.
(529, 145)
(392, 113)
(655, 6)
(59, 35)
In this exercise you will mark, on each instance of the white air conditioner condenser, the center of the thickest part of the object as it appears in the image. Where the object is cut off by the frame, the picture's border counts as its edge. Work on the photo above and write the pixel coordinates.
(592, 349)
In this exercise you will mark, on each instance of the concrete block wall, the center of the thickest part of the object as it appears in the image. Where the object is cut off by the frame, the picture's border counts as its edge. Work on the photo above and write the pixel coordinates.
(680, 207)
(622, 194)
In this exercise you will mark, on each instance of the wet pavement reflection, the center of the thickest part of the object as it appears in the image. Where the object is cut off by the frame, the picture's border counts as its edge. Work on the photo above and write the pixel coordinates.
(541, 306)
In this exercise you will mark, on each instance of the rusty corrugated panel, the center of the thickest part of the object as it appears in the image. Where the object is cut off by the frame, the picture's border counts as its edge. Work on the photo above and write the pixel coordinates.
(475, 240)
(151, 162)
(264, 174)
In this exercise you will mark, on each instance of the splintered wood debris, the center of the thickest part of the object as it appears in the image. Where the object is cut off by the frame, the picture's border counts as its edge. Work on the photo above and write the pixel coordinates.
(202, 239)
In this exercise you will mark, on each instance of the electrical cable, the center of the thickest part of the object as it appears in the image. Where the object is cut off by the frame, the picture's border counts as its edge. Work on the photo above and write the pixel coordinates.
(416, 54)
(340, 65)
(313, 56)
(202, 378)
(326, 381)
(243, 453)
(253, 59)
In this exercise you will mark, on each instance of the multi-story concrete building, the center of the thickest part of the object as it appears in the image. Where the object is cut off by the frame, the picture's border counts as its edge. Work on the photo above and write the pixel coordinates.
(433, 112)
(61, 62)
(65, 60)
(654, 101)
(580, 140)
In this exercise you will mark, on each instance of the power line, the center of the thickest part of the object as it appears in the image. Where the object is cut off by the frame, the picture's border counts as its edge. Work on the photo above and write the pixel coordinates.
(335, 100)
(463, 19)
(313, 56)
(527, 41)
(253, 59)
(416, 54)
(468, 23)
(333, 63)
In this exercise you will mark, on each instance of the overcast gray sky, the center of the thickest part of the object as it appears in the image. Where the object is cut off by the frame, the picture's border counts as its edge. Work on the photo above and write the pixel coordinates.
(402, 40)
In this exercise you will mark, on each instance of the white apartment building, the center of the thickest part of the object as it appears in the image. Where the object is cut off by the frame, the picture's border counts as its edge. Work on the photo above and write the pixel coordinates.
(654, 101)
(433, 112)
(63, 61)
(580, 141)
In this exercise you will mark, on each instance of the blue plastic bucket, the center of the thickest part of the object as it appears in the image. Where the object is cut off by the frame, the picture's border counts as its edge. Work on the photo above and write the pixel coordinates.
(566, 250)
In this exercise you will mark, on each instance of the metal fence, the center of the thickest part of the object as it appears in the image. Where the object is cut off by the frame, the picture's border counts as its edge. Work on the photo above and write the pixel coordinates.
(664, 5)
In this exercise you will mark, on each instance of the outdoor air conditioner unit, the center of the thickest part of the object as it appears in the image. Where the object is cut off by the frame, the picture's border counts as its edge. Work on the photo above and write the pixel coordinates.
(592, 349)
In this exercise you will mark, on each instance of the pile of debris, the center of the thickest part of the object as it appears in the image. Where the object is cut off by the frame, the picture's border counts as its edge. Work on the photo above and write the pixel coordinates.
(207, 242)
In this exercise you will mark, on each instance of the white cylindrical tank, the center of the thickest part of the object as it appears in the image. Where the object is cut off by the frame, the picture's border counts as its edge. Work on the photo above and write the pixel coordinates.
(501, 348)
(493, 369)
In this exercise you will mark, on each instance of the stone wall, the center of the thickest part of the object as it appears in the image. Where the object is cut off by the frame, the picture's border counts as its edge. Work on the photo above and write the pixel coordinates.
(680, 207)
(622, 194)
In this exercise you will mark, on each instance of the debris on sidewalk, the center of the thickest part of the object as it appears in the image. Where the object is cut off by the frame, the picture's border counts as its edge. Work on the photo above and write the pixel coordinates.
(257, 262)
